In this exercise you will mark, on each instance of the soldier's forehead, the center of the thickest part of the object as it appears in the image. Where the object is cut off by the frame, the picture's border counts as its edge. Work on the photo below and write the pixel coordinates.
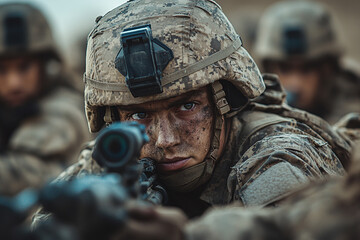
(169, 102)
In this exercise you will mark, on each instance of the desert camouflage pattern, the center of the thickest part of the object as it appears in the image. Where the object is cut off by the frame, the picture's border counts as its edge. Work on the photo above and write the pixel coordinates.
(45, 144)
(261, 163)
(193, 30)
(313, 17)
(323, 210)
(39, 35)
(290, 141)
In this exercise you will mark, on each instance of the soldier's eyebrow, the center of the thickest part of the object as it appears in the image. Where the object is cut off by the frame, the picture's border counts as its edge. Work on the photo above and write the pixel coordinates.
(186, 98)
(132, 108)
(178, 100)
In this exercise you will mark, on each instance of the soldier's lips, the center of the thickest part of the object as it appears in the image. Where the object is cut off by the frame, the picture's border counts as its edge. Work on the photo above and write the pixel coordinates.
(172, 164)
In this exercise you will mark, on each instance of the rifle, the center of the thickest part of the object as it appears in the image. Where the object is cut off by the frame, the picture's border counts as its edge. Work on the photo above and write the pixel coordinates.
(13, 212)
(117, 149)
(91, 207)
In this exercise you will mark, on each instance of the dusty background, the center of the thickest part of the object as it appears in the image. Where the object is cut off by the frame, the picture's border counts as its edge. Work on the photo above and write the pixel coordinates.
(71, 21)
(244, 15)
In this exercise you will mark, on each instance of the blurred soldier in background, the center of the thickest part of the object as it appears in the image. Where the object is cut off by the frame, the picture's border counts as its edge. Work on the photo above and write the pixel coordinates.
(297, 41)
(42, 124)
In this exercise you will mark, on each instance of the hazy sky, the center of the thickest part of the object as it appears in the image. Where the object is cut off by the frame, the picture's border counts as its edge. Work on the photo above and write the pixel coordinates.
(71, 19)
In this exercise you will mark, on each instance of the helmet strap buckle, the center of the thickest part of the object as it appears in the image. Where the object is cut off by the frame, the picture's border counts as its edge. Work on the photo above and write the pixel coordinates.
(220, 98)
(108, 116)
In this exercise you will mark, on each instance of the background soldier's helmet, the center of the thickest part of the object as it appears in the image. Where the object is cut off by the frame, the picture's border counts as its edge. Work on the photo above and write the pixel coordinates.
(24, 30)
(296, 28)
(204, 45)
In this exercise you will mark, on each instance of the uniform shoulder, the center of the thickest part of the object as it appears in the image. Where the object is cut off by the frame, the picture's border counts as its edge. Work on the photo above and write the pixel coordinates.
(253, 121)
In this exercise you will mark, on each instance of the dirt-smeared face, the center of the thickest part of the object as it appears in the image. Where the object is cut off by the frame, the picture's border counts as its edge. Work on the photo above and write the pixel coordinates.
(179, 128)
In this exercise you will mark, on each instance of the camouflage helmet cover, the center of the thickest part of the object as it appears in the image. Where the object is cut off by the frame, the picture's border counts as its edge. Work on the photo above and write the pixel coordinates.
(194, 30)
(306, 24)
(24, 29)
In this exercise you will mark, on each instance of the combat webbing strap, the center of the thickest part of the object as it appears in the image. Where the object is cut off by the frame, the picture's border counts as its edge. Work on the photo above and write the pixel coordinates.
(253, 121)
(203, 63)
(220, 98)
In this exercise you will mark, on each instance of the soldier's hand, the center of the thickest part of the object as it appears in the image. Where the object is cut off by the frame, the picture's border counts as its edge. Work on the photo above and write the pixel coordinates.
(152, 222)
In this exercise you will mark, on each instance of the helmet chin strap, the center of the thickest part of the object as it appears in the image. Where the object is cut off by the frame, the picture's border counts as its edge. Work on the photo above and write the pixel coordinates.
(189, 179)
(110, 115)
(107, 117)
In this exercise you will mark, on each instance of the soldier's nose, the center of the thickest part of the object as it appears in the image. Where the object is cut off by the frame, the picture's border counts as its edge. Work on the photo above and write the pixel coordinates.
(14, 80)
(167, 135)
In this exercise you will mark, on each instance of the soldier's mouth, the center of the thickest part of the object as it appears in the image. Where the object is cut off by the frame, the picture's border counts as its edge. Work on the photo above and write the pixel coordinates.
(172, 164)
(15, 99)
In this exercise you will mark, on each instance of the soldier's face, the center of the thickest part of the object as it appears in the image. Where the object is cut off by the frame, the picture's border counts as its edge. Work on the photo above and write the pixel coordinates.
(180, 129)
(301, 79)
(19, 80)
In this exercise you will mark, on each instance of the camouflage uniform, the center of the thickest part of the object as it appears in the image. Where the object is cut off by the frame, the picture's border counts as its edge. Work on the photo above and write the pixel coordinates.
(304, 30)
(43, 137)
(270, 148)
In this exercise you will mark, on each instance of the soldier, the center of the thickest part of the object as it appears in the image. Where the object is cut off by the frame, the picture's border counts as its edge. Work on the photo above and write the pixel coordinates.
(41, 118)
(216, 134)
(297, 41)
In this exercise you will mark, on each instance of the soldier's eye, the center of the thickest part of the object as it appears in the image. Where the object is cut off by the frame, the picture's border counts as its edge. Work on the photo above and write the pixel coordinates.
(187, 106)
(139, 116)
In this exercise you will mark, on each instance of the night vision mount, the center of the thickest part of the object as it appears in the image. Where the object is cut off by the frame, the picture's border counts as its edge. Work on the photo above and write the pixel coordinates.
(142, 60)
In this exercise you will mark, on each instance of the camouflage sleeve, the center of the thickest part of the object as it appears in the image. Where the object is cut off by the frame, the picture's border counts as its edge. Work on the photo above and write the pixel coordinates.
(279, 159)
(43, 146)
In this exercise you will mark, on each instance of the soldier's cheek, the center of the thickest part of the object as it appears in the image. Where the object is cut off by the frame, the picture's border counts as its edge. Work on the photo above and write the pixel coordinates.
(149, 150)
(197, 131)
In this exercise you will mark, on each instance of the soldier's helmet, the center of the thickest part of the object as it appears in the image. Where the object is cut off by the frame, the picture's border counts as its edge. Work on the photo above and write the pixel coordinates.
(25, 30)
(296, 28)
(151, 50)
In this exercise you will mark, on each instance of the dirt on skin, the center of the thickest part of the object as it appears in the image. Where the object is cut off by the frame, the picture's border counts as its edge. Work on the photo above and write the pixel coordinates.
(176, 132)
